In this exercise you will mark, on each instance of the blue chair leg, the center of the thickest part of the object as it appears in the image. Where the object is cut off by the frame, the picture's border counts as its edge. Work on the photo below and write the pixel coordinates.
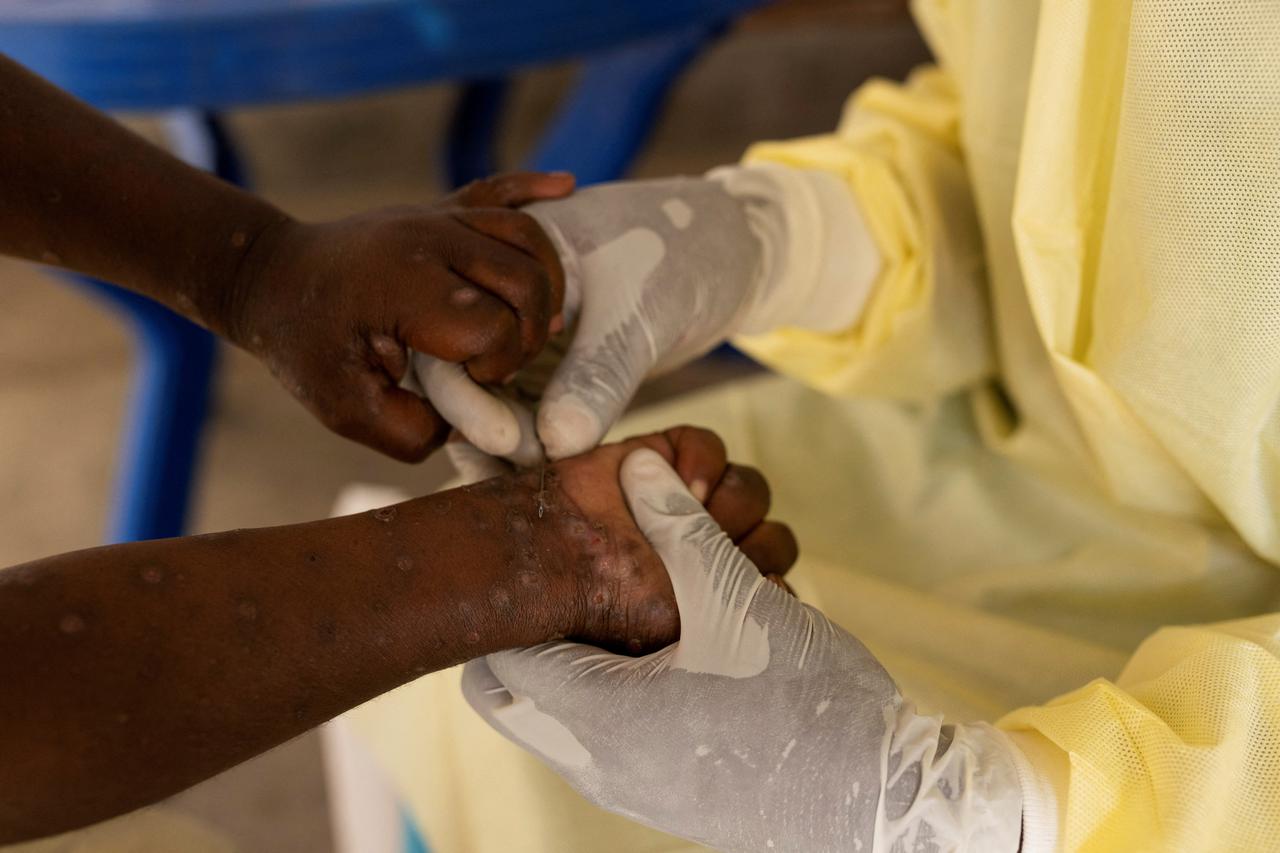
(170, 396)
(608, 118)
(603, 123)
(473, 130)
(413, 840)
(169, 399)
(615, 104)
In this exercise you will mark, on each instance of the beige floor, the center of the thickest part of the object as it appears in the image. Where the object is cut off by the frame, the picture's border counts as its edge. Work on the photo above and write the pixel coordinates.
(64, 360)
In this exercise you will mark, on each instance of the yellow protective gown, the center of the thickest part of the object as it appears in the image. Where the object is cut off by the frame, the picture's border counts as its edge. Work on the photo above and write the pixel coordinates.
(1048, 447)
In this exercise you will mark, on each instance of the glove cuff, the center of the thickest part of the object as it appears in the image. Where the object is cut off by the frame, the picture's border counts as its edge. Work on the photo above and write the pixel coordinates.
(956, 785)
(819, 259)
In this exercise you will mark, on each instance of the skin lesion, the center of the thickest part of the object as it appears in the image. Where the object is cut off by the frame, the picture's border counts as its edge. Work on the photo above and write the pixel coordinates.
(622, 594)
(151, 575)
(614, 587)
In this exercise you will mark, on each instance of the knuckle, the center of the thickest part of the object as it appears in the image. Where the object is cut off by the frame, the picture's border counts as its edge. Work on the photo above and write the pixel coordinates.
(752, 483)
(528, 226)
(534, 293)
(708, 446)
(712, 440)
(702, 435)
(348, 422)
(419, 447)
(466, 340)
(512, 223)
(496, 335)
(790, 547)
(778, 545)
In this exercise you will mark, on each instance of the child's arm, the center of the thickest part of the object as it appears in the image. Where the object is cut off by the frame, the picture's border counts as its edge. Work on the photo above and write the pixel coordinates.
(132, 671)
(329, 308)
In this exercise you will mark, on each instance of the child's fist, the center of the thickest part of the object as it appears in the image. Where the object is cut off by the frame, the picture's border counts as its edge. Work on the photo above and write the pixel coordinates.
(333, 309)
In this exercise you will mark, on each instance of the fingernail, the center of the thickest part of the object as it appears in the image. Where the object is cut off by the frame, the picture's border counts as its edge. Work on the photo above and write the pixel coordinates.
(556, 326)
(699, 490)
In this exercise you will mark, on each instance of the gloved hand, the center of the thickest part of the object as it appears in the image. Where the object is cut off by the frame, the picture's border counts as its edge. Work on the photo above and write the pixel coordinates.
(765, 727)
(658, 273)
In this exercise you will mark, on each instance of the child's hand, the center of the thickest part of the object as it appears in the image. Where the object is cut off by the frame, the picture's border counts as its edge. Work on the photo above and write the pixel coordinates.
(609, 587)
(332, 308)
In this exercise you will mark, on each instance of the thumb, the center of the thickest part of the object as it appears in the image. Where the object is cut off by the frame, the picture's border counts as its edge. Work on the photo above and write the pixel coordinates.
(494, 424)
(609, 356)
(385, 417)
(715, 584)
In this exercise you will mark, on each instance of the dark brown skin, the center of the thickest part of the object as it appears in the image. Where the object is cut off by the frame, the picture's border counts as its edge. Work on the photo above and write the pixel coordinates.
(330, 308)
(130, 672)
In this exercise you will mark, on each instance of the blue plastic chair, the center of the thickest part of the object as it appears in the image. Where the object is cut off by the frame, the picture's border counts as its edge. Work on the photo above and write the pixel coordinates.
(204, 56)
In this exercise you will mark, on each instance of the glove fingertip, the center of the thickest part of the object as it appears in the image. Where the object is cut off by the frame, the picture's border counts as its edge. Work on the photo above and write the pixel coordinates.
(567, 427)
(651, 484)
(486, 421)
(497, 436)
(645, 466)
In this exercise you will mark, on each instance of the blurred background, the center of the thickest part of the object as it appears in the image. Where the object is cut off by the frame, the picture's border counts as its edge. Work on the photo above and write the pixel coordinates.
(65, 360)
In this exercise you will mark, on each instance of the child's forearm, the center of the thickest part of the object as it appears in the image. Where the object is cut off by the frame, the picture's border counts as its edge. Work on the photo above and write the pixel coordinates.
(84, 193)
(132, 671)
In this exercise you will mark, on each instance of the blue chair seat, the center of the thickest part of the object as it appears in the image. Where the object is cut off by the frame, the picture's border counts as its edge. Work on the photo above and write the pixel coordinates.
(157, 54)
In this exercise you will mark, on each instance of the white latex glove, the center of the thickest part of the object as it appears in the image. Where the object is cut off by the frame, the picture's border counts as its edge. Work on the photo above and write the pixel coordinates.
(658, 273)
(766, 727)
